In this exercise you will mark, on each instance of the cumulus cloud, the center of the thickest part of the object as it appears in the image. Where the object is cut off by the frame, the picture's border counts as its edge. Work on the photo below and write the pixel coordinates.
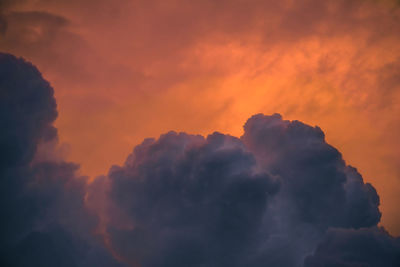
(266, 199)
(192, 201)
(333, 63)
(323, 190)
(44, 218)
(351, 248)
(280, 195)
(27, 111)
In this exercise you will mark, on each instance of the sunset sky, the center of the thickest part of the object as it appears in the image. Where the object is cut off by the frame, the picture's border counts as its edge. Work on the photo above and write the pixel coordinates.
(124, 70)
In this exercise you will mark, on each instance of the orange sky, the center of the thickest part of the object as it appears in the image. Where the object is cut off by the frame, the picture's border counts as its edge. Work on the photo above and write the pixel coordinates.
(125, 70)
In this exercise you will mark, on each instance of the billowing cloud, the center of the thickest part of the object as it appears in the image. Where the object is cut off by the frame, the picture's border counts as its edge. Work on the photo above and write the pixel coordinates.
(266, 199)
(44, 218)
(351, 248)
(280, 195)
(316, 179)
(202, 66)
(192, 202)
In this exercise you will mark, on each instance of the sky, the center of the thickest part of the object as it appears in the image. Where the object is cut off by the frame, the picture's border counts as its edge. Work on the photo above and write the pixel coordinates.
(123, 71)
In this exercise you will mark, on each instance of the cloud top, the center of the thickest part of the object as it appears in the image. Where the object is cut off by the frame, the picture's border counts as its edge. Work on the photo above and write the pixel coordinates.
(280, 195)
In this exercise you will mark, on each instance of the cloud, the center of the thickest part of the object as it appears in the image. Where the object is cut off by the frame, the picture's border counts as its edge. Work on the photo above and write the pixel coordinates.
(316, 179)
(351, 248)
(32, 28)
(27, 111)
(280, 195)
(189, 66)
(191, 200)
(266, 199)
(44, 218)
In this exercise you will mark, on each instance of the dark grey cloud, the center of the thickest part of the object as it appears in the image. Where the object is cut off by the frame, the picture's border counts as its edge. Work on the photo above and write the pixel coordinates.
(317, 182)
(44, 221)
(27, 110)
(266, 199)
(372, 247)
(277, 196)
(192, 201)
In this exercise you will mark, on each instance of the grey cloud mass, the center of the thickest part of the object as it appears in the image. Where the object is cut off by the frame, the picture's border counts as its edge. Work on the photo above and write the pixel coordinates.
(277, 196)
(44, 218)
(266, 199)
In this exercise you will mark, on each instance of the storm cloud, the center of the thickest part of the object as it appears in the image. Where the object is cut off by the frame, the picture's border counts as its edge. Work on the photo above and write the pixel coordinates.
(265, 199)
(280, 195)
(44, 218)
(351, 248)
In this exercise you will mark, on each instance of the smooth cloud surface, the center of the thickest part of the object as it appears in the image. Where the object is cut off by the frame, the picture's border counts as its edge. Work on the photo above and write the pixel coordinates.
(277, 196)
